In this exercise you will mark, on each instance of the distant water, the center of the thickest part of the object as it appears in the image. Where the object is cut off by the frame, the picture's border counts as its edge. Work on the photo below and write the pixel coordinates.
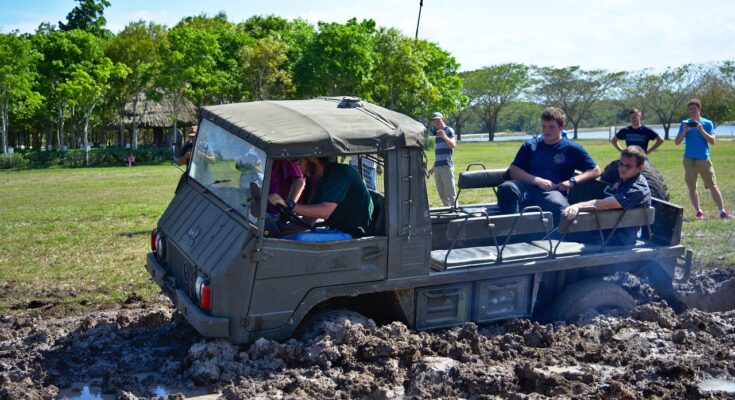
(722, 130)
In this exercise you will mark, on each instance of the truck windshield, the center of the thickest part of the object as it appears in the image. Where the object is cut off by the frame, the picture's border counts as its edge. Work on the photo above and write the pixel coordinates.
(226, 165)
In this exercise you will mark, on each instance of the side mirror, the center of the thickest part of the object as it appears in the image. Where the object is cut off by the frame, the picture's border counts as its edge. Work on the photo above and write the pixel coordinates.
(254, 200)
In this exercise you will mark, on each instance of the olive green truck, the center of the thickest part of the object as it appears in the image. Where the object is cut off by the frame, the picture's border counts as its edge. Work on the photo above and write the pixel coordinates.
(427, 267)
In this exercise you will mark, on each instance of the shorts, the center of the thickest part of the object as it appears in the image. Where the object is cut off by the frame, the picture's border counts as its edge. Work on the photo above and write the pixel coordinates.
(694, 167)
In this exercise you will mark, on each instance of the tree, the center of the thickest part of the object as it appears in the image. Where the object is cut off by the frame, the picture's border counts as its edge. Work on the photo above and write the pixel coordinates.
(17, 77)
(398, 76)
(663, 94)
(444, 90)
(224, 83)
(575, 90)
(521, 116)
(87, 85)
(135, 47)
(338, 61)
(717, 96)
(188, 57)
(492, 88)
(62, 51)
(87, 16)
(263, 69)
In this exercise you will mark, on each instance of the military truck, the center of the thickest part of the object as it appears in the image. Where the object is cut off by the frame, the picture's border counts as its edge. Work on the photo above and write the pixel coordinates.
(430, 268)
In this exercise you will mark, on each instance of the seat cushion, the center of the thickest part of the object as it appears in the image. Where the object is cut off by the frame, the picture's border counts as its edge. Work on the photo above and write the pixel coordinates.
(463, 256)
(483, 255)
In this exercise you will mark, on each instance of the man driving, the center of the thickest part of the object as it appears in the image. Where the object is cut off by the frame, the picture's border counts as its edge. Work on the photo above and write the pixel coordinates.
(339, 197)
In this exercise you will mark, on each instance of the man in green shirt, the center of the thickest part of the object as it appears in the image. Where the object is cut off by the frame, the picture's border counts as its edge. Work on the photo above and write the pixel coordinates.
(339, 197)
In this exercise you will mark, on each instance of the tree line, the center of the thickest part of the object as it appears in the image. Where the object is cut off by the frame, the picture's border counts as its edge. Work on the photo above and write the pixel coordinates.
(511, 96)
(64, 82)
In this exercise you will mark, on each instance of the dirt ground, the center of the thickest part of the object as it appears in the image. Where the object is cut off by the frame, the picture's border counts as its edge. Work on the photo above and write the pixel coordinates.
(145, 350)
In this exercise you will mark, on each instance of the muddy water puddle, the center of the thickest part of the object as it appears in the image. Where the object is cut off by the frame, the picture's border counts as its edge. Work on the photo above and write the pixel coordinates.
(717, 385)
(93, 392)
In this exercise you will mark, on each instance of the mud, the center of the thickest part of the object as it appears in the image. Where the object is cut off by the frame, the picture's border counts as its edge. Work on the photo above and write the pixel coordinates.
(144, 350)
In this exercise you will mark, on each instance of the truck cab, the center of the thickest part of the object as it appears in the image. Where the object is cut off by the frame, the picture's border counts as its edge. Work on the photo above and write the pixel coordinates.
(212, 253)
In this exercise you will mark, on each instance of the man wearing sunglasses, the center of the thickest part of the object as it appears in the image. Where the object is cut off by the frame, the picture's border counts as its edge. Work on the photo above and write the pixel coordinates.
(630, 192)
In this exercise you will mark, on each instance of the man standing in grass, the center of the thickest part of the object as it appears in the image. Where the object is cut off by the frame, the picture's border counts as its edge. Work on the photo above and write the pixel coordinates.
(443, 169)
(636, 134)
(698, 133)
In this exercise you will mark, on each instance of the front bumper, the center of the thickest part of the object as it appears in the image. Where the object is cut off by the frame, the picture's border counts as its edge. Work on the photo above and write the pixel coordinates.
(206, 325)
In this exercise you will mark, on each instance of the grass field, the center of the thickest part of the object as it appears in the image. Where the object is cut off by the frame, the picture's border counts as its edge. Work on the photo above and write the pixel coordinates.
(76, 239)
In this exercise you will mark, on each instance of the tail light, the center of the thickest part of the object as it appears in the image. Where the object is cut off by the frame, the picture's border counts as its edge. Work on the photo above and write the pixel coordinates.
(154, 236)
(158, 244)
(204, 292)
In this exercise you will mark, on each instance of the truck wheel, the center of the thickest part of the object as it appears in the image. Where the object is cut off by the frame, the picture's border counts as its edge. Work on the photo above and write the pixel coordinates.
(315, 325)
(590, 294)
(655, 180)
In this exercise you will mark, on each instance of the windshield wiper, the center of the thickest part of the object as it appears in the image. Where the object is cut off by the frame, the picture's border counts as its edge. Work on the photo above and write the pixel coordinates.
(220, 181)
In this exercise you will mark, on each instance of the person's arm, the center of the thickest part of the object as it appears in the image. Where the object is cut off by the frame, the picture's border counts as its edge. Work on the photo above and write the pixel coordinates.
(710, 138)
(659, 142)
(615, 144)
(183, 158)
(297, 187)
(451, 143)
(522, 175)
(681, 135)
(608, 203)
(320, 210)
(589, 175)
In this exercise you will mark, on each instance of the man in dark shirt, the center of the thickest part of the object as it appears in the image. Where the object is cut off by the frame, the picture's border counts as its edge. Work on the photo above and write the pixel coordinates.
(340, 197)
(636, 134)
(543, 169)
(630, 192)
(184, 155)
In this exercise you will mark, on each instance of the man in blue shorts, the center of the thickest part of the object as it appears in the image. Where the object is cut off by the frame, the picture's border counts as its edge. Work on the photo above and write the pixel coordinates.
(636, 134)
(630, 192)
(543, 169)
(339, 197)
(698, 133)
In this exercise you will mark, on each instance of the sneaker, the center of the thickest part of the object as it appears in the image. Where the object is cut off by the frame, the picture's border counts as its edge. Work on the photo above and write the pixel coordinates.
(700, 215)
(725, 215)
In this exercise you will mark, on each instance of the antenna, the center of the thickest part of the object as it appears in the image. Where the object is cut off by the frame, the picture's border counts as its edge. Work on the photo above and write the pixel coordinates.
(421, 4)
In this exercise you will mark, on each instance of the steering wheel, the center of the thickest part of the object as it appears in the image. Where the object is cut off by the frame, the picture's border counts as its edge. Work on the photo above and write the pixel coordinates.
(284, 214)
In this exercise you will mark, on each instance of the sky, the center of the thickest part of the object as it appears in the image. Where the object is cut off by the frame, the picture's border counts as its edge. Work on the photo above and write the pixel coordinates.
(615, 35)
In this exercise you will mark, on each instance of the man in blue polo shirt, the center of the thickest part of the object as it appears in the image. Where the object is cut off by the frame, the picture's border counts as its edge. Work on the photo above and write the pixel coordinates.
(630, 192)
(637, 134)
(698, 133)
(543, 169)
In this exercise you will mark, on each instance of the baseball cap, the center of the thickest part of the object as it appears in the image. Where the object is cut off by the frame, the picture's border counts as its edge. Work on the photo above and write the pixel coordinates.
(437, 115)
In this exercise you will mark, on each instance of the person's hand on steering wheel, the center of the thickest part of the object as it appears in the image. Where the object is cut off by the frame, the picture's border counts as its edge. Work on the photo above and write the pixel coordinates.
(285, 212)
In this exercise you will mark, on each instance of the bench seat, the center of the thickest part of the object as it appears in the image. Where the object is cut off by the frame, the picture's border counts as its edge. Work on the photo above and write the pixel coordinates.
(467, 256)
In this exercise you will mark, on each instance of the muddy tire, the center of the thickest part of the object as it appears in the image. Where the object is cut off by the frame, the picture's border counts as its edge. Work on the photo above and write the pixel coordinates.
(655, 180)
(316, 324)
(595, 294)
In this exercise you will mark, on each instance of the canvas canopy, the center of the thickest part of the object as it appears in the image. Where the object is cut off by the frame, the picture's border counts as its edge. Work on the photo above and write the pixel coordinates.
(317, 127)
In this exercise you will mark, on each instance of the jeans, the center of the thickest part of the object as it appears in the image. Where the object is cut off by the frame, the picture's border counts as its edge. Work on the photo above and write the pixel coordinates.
(515, 195)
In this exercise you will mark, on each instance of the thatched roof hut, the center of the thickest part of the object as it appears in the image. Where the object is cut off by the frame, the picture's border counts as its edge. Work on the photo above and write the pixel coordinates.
(159, 114)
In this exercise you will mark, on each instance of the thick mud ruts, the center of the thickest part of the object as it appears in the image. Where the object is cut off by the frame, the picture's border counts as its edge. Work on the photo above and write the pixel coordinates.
(135, 351)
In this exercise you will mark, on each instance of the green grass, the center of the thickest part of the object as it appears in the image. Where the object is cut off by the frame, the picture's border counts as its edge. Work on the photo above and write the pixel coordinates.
(77, 238)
